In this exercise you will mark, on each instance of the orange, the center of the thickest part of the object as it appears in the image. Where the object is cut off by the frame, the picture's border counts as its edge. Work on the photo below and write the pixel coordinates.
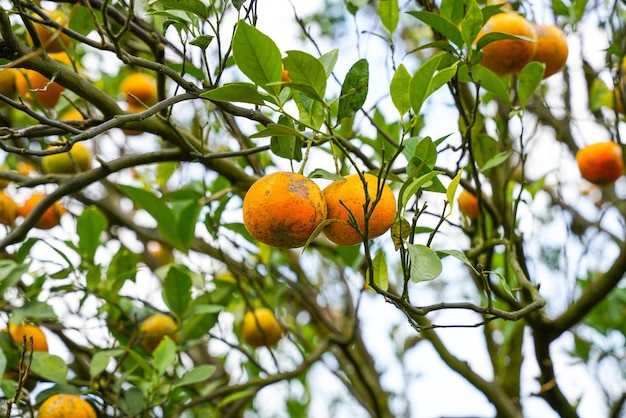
(139, 89)
(134, 108)
(552, 48)
(154, 328)
(76, 160)
(35, 87)
(601, 163)
(50, 218)
(61, 42)
(25, 169)
(260, 328)
(17, 333)
(348, 196)
(508, 55)
(8, 209)
(72, 114)
(7, 83)
(285, 76)
(65, 405)
(468, 204)
(283, 209)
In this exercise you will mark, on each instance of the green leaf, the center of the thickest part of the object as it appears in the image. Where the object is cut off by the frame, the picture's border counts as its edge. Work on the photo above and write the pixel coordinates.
(164, 355)
(202, 41)
(484, 148)
(422, 82)
(192, 6)
(311, 112)
(89, 226)
(425, 264)
(354, 89)
(187, 220)
(273, 129)
(132, 400)
(440, 24)
(529, 79)
(452, 10)
(472, 24)
(451, 190)
(399, 90)
(177, 290)
(329, 60)
(459, 255)
(307, 74)
(101, 360)
(410, 188)
(157, 208)
(198, 374)
(286, 146)
(389, 11)
(49, 367)
(495, 161)
(491, 82)
(10, 274)
(320, 173)
(381, 276)
(33, 309)
(258, 57)
(235, 92)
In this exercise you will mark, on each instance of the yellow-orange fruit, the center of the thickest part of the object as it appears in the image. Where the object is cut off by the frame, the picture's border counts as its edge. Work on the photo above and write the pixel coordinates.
(45, 33)
(261, 328)
(468, 204)
(348, 196)
(139, 89)
(7, 83)
(552, 49)
(76, 160)
(17, 333)
(8, 209)
(154, 328)
(285, 76)
(283, 209)
(601, 163)
(65, 406)
(35, 87)
(50, 218)
(508, 55)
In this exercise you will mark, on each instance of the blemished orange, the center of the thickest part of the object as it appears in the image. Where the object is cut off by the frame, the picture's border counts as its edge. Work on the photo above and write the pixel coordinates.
(601, 163)
(154, 328)
(348, 196)
(35, 87)
(468, 204)
(50, 218)
(552, 49)
(139, 89)
(8, 209)
(283, 209)
(45, 33)
(260, 328)
(76, 160)
(65, 405)
(508, 55)
(17, 333)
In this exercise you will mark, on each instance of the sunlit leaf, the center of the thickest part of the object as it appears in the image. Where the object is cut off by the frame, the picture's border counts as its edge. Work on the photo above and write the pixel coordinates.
(399, 89)
(389, 11)
(425, 264)
(381, 277)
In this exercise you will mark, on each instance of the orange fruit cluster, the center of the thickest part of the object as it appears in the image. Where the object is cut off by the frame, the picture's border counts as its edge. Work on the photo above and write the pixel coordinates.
(65, 405)
(260, 328)
(601, 163)
(543, 43)
(50, 40)
(283, 209)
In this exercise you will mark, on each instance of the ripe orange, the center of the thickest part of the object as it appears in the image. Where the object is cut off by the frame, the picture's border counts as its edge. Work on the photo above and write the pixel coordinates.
(8, 209)
(552, 48)
(35, 87)
(139, 89)
(260, 328)
(601, 163)
(72, 114)
(76, 160)
(45, 33)
(348, 196)
(65, 406)
(154, 328)
(17, 333)
(283, 209)
(50, 218)
(468, 204)
(508, 55)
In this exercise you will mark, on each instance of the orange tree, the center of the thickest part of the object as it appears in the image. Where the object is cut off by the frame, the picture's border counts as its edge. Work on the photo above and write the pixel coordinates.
(153, 224)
